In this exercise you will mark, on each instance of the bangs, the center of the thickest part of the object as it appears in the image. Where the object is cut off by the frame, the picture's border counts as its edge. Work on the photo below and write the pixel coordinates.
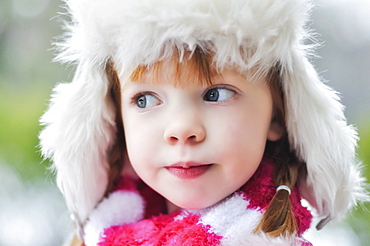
(180, 70)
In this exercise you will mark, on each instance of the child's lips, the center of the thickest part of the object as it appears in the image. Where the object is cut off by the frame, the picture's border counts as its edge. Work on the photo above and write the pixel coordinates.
(188, 170)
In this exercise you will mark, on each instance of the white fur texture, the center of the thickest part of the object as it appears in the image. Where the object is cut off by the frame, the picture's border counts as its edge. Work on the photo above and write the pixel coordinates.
(121, 207)
(245, 33)
(79, 130)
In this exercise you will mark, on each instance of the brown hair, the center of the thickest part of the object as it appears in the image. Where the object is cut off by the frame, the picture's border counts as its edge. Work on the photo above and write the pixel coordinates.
(198, 69)
(115, 153)
(278, 218)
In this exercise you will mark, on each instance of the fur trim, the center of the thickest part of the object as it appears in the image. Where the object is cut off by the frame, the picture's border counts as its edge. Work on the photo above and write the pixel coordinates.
(79, 130)
(244, 33)
(248, 34)
(319, 133)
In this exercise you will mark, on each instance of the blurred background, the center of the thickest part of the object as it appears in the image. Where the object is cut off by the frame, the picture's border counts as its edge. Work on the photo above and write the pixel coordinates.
(32, 211)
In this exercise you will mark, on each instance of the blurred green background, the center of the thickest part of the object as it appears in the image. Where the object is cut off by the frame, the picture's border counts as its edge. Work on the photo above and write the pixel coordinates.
(32, 211)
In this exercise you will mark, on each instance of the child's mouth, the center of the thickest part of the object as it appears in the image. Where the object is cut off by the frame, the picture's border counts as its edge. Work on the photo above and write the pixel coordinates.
(189, 170)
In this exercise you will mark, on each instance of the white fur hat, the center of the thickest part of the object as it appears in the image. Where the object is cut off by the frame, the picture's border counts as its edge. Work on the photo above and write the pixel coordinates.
(80, 123)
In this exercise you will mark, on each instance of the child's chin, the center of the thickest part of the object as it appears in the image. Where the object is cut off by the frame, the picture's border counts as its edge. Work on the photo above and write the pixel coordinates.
(196, 205)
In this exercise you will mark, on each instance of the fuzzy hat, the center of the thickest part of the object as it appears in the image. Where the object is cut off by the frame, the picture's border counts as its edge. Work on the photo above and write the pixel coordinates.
(80, 123)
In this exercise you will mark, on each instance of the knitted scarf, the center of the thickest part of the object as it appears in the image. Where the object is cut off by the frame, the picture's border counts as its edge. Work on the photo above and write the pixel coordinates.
(134, 214)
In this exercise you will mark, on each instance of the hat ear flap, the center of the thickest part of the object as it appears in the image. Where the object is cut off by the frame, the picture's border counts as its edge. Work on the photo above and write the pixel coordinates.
(79, 131)
(319, 133)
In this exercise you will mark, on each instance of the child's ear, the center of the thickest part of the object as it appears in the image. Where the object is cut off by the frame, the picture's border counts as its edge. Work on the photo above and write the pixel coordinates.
(275, 132)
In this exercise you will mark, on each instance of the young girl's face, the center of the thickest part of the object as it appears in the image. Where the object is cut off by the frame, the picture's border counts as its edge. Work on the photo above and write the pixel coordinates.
(196, 144)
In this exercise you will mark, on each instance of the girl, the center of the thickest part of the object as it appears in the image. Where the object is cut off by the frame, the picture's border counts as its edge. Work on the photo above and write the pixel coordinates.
(197, 123)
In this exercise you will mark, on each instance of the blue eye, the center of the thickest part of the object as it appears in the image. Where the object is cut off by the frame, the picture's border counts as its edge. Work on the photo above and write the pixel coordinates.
(146, 101)
(218, 94)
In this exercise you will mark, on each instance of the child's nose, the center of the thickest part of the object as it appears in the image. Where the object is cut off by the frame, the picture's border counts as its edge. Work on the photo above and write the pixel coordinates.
(185, 131)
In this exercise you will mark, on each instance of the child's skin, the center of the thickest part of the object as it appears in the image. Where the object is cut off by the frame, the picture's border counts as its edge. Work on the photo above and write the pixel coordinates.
(196, 144)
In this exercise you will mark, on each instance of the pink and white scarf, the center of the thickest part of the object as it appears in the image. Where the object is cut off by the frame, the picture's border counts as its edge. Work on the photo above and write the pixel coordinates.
(134, 214)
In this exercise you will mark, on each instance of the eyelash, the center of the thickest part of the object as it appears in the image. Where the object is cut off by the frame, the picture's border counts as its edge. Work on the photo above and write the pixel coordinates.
(226, 87)
(137, 95)
(140, 94)
(144, 93)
